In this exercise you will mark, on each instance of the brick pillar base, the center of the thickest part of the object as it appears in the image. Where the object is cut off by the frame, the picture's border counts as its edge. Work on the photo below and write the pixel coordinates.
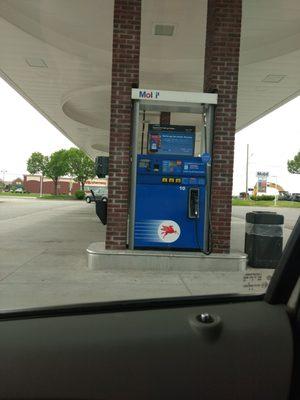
(221, 76)
(165, 118)
(125, 75)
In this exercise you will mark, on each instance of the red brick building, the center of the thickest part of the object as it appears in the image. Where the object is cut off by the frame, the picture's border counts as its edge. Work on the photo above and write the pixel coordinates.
(32, 184)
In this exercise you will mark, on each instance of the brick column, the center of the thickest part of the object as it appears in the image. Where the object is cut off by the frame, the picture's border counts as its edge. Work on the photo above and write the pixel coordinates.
(125, 74)
(221, 76)
(165, 118)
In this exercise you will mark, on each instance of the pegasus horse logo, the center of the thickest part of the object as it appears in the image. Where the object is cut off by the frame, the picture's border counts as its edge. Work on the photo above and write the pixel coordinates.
(168, 231)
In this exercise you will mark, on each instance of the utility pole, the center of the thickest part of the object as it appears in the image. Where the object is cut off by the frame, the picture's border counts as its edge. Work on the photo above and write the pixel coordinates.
(247, 168)
(276, 188)
(276, 194)
(3, 171)
(41, 186)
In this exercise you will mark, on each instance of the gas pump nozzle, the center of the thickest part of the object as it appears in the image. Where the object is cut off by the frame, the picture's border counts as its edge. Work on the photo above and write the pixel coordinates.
(194, 203)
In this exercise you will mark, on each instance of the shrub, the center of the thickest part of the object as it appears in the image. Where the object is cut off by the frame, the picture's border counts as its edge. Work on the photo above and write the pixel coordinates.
(264, 197)
(79, 194)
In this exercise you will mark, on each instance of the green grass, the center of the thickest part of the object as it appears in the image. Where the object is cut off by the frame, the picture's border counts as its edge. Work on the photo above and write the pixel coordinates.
(36, 195)
(56, 197)
(263, 203)
(10, 194)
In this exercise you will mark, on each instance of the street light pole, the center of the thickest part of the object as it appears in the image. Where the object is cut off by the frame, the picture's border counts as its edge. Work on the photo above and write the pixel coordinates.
(41, 186)
(276, 194)
(3, 171)
(247, 169)
(276, 188)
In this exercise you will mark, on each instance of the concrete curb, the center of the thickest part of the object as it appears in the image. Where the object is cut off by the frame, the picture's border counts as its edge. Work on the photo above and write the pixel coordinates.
(148, 260)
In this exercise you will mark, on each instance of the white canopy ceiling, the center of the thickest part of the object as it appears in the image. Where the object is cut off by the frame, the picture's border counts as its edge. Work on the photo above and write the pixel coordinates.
(57, 54)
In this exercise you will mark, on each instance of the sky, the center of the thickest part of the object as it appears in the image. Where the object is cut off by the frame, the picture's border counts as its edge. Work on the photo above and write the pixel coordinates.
(272, 140)
(23, 130)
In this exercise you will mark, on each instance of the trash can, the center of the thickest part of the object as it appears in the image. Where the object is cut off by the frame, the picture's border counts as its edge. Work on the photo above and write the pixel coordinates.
(101, 209)
(264, 238)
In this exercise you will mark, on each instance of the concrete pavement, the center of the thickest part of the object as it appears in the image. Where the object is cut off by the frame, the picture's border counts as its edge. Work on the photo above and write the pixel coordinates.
(43, 261)
(290, 214)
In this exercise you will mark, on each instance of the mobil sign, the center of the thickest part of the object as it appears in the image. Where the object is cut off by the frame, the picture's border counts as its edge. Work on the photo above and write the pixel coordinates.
(148, 94)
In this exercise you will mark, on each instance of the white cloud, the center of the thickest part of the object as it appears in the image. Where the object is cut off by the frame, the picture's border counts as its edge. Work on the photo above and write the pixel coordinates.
(273, 140)
(23, 131)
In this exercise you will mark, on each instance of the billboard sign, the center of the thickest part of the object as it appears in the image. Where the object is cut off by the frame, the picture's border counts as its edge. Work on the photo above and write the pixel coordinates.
(262, 178)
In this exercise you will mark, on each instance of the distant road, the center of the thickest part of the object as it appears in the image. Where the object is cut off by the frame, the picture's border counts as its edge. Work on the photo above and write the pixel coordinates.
(290, 214)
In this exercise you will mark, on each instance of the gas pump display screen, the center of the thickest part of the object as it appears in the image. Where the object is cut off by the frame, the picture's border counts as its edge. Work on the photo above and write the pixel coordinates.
(192, 167)
(145, 164)
(172, 166)
(171, 139)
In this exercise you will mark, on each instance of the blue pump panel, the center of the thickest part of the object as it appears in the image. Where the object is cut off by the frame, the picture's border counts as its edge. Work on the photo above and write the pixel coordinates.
(170, 202)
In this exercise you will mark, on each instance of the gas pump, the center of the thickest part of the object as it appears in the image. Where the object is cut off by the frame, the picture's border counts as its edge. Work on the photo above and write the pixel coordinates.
(170, 186)
(170, 202)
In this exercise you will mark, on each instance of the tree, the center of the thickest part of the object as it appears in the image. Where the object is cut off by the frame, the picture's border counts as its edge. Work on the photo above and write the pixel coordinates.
(80, 166)
(37, 163)
(293, 166)
(57, 166)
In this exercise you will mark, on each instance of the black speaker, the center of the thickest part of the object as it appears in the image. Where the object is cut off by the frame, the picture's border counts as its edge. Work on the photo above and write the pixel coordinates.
(101, 166)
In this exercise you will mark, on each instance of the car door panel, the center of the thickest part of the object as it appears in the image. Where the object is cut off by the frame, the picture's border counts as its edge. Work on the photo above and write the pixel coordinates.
(159, 353)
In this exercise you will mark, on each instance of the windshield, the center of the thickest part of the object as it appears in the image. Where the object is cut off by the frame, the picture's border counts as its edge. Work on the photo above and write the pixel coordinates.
(185, 130)
(101, 191)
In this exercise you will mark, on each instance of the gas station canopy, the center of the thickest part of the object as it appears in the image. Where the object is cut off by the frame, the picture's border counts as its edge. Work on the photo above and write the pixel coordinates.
(59, 58)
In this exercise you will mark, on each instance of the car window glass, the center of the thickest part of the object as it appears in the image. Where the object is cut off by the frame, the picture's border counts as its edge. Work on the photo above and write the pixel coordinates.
(201, 219)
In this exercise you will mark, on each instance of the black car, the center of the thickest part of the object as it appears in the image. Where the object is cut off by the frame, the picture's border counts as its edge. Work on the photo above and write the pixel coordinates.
(96, 194)
(296, 197)
(286, 196)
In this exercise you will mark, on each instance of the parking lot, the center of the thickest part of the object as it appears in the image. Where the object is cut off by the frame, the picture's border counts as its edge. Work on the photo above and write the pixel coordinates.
(43, 259)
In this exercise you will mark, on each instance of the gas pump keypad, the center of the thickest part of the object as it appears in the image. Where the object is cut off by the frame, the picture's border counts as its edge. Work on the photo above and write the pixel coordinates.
(171, 180)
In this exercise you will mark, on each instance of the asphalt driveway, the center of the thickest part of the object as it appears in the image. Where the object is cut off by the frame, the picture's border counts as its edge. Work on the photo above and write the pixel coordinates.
(43, 261)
